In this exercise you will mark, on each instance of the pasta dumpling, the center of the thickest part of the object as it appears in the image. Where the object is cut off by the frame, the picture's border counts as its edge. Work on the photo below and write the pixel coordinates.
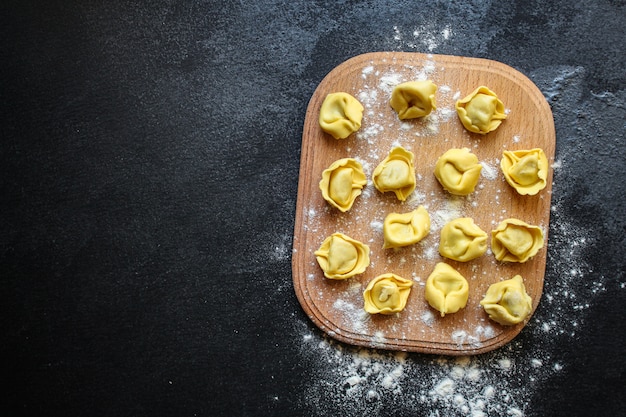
(413, 99)
(507, 302)
(481, 111)
(386, 294)
(462, 240)
(342, 183)
(396, 173)
(342, 257)
(406, 228)
(516, 241)
(446, 289)
(458, 171)
(340, 115)
(525, 170)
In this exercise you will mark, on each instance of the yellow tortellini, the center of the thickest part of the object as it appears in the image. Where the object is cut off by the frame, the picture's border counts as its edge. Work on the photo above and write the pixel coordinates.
(516, 241)
(507, 302)
(396, 173)
(340, 115)
(386, 294)
(342, 183)
(525, 170)
(458, 171)
(446, 289)
(403, 229)
(342, 257)
(481, 111)
(462, 240)
(413, 99)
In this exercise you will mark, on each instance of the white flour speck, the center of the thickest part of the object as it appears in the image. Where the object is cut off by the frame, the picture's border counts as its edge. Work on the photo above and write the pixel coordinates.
(389, 80)
(488, 171)
(451, 210)
(505, 363)
(428, 318)
(377, 225)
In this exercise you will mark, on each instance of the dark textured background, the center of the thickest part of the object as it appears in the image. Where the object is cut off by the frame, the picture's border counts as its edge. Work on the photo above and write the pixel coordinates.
(149, 161)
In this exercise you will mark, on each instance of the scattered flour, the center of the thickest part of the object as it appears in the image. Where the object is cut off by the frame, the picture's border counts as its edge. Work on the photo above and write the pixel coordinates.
(428, 318)
(352, 381)
(355, 382)
(489, 171)
(389, 81)
(452, 208)
(377, 225)
(355, 314)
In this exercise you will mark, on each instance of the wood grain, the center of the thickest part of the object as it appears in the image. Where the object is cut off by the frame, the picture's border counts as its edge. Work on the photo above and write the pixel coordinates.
(337, 306)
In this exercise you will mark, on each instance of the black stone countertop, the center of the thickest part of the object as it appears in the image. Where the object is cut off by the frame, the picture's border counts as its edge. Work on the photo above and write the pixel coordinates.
(149, 166)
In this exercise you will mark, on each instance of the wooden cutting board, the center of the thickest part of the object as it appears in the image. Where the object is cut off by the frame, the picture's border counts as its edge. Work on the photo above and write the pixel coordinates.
(337, 306)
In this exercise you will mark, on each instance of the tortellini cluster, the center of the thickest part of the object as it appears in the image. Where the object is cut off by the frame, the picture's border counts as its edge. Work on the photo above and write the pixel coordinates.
(447, 290)
(458, 171)
(525, 170)
(481, 111)
(516, 241)
(507, 302)
(387, 294)
(403, 229)
(342, 257)
(413, 99)
(342, 183)
(340, 115)
(462, 240)
(396, 173)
